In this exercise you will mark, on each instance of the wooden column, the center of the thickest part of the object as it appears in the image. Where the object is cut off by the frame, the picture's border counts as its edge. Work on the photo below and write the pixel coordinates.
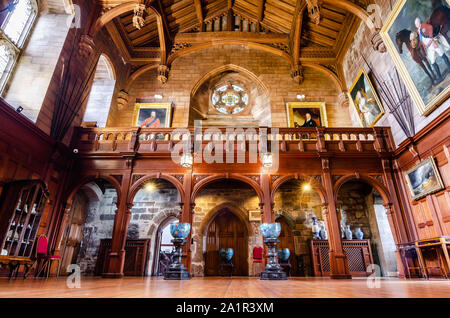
(266, 204)
(187, 216)
(61, 229)
(116, 258)
(338, 258)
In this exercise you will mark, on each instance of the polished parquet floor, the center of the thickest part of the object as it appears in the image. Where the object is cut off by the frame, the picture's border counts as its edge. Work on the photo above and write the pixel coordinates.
(217, 287)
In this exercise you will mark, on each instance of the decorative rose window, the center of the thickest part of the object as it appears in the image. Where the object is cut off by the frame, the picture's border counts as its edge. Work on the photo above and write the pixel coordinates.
(229, 99)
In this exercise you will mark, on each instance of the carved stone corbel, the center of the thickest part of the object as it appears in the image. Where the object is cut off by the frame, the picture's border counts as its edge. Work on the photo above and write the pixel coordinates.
(86, 47)
(343, 99)
(297, 73)
(314, 10)
(138, 18)
(163, 73)
(122, 99)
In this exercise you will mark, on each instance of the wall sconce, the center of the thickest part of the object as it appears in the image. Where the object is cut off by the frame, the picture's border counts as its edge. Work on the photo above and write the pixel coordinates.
(187, 160)
(267, 159)
(19, 109)
(301, 96)
(158, 96)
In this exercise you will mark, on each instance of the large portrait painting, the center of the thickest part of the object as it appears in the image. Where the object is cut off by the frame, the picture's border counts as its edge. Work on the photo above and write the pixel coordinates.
(365, 100)
(416, 35)
(306, 114)
(152, 115)
(423, 179)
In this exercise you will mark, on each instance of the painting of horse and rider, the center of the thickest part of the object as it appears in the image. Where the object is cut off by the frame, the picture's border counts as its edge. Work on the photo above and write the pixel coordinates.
(417, 36)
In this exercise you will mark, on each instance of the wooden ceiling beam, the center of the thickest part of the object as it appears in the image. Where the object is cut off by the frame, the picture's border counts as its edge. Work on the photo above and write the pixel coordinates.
(260, 14)
(199, 12)
(226, 35)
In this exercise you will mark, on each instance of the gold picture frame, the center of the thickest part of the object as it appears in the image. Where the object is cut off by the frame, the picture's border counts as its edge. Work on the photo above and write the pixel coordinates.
(423, 179)
(254, 215)
(425, 107)
(362, 81)
(144, 111)
(304, 107)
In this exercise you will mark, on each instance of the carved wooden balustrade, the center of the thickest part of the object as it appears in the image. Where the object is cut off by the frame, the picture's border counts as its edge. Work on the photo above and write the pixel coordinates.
(289, 140)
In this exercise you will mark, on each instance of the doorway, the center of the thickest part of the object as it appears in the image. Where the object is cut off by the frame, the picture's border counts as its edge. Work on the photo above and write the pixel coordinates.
(164, 248)
(226, 230)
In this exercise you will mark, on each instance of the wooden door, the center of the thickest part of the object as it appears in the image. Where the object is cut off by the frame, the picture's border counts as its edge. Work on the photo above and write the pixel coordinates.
(287, 241)
(226, 231)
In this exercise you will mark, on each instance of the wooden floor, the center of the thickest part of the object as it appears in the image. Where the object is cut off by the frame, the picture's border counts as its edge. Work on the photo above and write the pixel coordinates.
(216, 287)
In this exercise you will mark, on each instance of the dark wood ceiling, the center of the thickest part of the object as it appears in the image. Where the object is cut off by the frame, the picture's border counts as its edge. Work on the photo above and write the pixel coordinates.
(325, 39)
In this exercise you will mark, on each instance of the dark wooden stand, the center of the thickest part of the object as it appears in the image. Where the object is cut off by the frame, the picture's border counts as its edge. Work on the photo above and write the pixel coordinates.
(286, 267)
(176, 270)
(273, 270)
(229, 265)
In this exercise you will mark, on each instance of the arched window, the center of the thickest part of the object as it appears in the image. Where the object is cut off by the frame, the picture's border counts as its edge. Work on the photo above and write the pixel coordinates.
(15, 30)
(100, 96)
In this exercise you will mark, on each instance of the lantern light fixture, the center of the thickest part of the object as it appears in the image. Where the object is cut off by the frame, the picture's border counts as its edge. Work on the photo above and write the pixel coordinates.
(187, 160)
(267, 159)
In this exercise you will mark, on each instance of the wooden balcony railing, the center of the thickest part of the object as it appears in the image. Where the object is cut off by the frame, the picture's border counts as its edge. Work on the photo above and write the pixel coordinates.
(288, 140)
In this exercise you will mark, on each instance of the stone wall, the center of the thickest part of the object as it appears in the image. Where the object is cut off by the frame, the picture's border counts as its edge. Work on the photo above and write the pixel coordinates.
(298, 206)
(240, 199)
(31, 76)
(361, 206)
(273, 71)
(150, 209)
(98, 225)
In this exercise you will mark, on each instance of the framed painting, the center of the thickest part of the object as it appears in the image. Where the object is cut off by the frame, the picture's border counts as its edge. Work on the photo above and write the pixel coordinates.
(423, 179)
(254, 215)
(306, 114)
(416, 36)
(365, 100)
(152, 115)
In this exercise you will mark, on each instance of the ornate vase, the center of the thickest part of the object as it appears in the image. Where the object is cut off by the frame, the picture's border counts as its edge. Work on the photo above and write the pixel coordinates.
(283, 254)
(180, 230)
(323, 231)
(273, 270)
(315, 229)
(359, 234)
(348, 233)
(226, 254)
(270, 230)
(176, 270)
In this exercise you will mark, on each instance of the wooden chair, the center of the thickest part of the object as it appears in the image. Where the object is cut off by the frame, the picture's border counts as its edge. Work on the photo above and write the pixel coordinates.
(257, 257)
(43, 257)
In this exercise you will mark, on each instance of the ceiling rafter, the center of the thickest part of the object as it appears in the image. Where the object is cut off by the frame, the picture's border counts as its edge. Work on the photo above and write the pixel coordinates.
(199, 12)
(260, 13)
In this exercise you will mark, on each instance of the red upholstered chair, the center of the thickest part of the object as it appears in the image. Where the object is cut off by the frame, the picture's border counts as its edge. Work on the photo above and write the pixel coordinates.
(257, 257)
(44, 258)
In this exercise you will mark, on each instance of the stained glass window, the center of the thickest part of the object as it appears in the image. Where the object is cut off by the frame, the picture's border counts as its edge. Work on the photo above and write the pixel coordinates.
(229, 99)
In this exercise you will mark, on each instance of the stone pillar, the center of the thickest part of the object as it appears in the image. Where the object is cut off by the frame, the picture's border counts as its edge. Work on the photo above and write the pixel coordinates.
(338, 258)
(398, 257)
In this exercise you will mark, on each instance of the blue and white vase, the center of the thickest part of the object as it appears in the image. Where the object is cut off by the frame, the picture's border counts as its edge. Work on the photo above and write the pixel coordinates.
(348, 233)
(323, 231)
(315, 229)
(359, 234)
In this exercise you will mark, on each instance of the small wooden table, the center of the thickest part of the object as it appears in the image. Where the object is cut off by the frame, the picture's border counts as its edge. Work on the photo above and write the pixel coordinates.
(228, 265)
(441, 245)
(14, 263)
